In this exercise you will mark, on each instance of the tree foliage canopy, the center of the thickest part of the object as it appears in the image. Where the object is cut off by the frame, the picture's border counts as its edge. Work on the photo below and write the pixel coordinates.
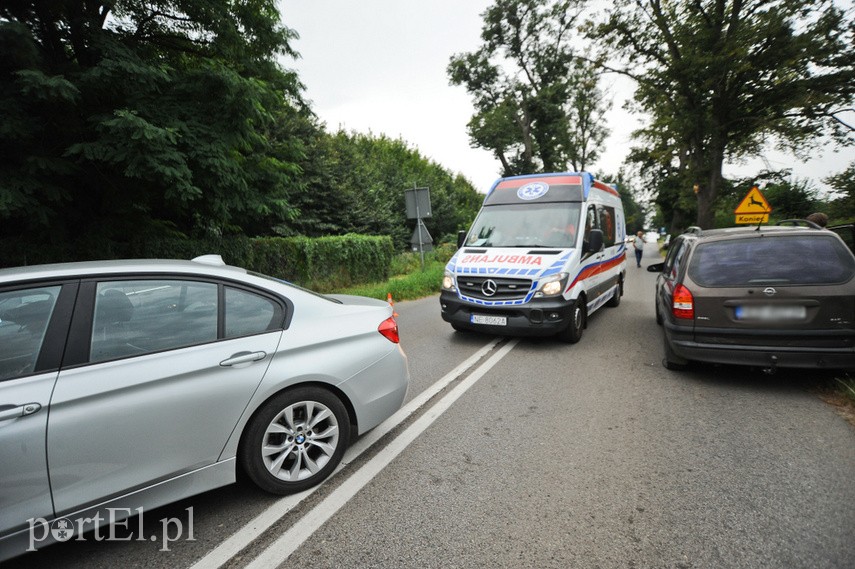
(354, 183)
(538, 106)
(151, 114)
(842, 206)
(721, 78)
(138, 119)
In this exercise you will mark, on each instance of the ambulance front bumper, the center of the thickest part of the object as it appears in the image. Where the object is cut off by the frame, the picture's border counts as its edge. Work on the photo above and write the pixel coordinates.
(539, 317)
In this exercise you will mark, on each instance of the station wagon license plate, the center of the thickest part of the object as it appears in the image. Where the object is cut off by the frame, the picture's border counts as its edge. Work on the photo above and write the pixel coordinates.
(490, 320)
(770, 313)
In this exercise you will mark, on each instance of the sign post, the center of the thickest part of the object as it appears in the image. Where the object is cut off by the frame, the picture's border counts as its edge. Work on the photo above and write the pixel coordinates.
(753, 208)
(417, 202)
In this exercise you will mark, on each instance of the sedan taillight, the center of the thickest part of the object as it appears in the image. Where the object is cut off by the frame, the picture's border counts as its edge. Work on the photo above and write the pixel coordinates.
(683, 305)
(389, 328)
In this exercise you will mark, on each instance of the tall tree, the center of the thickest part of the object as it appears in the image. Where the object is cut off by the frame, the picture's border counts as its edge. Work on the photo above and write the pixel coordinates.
(720, 78)
(632, 198)
(842, 206)
(151, 115)
(355, 183)
(538, 107)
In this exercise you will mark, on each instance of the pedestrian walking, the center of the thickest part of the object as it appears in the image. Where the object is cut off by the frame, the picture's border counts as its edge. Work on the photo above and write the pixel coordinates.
(638, 244)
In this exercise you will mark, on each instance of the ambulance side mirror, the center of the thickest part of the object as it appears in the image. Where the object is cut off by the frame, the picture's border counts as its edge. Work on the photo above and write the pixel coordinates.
(594, 244)
(461, 239)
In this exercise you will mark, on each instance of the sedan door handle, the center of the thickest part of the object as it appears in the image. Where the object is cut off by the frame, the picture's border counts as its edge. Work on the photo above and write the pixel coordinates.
(243, 358)
(21, 411)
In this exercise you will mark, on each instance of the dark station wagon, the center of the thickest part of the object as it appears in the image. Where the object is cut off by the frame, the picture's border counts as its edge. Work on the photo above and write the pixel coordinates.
(768, 297)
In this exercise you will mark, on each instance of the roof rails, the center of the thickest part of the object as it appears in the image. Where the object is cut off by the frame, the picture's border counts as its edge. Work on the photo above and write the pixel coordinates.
(805, 222)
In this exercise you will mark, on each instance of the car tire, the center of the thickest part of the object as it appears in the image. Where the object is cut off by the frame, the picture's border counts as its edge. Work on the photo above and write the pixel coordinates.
(295, 440)
(671, 360)
(573, 332)
(614, 301)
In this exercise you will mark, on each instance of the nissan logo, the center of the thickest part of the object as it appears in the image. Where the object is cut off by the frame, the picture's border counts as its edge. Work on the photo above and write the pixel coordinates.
(769, 291)
(489, 287)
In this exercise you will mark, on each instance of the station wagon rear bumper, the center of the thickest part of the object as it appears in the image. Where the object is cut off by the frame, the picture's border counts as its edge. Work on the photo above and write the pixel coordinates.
(685, 343)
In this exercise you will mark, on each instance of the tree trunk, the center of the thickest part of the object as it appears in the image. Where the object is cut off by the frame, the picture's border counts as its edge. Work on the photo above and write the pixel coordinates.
(506, 167)
(708, 191)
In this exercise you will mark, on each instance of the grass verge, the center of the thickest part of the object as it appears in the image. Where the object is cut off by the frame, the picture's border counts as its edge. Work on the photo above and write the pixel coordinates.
(409, 280)
(840, 393)
(411, 286)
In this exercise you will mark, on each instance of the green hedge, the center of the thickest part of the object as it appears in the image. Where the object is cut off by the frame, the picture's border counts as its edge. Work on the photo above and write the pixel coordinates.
(323, 264)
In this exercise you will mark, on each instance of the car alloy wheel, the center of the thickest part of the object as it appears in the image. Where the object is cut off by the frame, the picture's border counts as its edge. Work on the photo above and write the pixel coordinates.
(295, 440)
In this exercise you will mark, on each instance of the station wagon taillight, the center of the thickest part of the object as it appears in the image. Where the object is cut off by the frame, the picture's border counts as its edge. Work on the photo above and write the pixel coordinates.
(683, 304)
(389, 328)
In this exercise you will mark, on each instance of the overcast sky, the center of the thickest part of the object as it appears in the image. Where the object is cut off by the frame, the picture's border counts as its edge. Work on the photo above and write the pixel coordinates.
(379, 66)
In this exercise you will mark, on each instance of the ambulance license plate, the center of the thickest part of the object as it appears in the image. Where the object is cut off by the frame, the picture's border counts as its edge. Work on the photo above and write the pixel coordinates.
(489, 320)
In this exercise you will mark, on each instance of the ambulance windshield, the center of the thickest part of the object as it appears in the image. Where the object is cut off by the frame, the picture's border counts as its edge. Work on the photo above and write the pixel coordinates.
(526, 225)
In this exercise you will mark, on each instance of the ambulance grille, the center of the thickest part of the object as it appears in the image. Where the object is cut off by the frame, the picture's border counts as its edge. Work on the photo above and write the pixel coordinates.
(506, 289)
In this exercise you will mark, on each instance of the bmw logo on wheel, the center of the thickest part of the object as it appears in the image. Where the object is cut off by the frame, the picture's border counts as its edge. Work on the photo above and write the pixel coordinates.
(532, 191)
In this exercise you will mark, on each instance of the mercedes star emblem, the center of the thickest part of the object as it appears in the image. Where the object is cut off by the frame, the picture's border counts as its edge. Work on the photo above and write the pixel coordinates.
(489, 287)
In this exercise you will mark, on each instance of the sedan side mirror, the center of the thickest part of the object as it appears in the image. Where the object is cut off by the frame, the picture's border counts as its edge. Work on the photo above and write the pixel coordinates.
(655, 268)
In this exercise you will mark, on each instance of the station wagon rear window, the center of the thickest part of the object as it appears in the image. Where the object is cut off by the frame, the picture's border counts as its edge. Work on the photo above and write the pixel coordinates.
(772, 260)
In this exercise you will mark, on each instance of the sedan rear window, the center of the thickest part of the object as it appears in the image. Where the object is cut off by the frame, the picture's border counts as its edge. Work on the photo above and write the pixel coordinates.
(24, 317)
(762, 260)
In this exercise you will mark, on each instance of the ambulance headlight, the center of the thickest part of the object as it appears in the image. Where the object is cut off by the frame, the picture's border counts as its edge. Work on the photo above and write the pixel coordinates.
(552, 286)
(448, 282)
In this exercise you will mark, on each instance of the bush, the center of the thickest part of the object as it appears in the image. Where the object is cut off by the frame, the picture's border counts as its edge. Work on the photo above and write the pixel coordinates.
(324, 263)
(235, 250)
(410, 262)
(417, 284)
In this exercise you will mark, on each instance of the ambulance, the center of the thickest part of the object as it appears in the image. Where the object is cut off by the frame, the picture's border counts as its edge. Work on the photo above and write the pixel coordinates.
(544, 253)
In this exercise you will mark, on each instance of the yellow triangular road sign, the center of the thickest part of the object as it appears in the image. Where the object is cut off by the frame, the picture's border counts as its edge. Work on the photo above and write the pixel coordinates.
(753, 202)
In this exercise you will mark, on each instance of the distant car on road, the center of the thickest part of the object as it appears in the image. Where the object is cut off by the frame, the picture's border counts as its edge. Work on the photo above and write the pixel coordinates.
(768, 297)
(126, 385)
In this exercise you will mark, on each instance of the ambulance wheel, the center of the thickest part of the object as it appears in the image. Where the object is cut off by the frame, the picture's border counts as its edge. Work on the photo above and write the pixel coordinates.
(573, 332)
(614, 301)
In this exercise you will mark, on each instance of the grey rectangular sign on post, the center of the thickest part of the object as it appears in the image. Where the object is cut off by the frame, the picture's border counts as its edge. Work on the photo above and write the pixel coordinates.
(417, 201)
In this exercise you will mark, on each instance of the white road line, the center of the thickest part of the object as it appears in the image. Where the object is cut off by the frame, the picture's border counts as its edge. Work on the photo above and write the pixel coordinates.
(223, 553)
(303, 529)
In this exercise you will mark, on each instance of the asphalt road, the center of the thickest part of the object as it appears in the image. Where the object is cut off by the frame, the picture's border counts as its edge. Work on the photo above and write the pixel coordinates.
(543, 454)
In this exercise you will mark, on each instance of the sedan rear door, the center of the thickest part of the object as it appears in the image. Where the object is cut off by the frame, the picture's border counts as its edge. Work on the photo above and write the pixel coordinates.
(33, 324)
(161, 379)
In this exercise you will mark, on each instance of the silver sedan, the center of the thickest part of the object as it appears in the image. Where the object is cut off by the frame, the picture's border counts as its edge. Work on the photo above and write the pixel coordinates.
(126, 385)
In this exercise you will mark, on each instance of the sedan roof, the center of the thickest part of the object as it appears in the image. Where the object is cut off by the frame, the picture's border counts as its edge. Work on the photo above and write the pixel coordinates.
(201, 265)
